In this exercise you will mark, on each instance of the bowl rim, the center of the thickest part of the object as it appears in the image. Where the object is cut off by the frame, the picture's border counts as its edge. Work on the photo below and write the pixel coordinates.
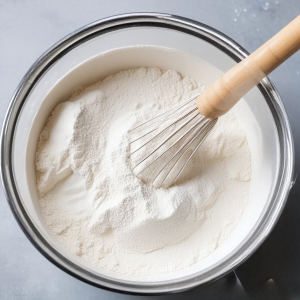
(216, 38)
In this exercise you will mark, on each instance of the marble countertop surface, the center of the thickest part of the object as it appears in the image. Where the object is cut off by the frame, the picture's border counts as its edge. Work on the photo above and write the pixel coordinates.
(28, 28)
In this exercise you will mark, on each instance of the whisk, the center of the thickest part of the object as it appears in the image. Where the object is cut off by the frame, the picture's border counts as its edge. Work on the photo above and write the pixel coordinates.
(162, 146)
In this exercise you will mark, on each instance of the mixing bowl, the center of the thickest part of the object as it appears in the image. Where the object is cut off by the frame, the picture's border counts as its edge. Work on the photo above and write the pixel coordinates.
(85, 57)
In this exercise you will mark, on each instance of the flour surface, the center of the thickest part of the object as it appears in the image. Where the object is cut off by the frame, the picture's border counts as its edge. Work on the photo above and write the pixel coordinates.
(94, 204)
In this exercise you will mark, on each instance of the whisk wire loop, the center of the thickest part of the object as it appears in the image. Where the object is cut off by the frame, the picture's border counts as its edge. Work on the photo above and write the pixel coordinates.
(179, 139)
(162, 117)
(161, 132)
(182, 130)
(206, 133)
(190, 142)
(166, 139)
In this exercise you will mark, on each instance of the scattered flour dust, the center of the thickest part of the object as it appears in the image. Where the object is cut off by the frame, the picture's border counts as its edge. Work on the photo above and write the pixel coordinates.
(97, 208)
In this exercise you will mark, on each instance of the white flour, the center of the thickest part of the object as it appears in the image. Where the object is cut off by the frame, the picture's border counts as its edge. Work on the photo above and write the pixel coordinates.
(97, 208)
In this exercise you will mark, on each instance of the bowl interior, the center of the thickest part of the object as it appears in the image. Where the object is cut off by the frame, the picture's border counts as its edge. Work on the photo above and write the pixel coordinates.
(111, 52)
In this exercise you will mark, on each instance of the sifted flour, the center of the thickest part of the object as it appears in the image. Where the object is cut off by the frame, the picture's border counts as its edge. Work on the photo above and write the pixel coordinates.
(94, 204)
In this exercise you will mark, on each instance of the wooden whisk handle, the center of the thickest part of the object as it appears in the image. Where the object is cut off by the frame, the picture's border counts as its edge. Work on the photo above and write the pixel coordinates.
(224, 93)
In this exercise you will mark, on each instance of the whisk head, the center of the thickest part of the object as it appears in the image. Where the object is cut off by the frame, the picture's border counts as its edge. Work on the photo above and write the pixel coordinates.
(161, 147)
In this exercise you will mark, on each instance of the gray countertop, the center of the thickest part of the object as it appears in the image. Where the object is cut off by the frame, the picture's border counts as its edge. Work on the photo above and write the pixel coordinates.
(28, 28)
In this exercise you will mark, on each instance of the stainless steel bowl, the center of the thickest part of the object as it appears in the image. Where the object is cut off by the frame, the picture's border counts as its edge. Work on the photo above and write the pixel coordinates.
(168, 24)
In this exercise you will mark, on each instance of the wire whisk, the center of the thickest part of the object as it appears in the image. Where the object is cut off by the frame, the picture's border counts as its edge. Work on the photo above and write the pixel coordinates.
(163, 146)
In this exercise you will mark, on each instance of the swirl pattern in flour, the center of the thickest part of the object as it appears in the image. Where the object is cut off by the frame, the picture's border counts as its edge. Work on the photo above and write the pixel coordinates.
(94, 204)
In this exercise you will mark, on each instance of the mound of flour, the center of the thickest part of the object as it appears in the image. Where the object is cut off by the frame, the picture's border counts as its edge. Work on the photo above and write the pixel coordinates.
(95, 205)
